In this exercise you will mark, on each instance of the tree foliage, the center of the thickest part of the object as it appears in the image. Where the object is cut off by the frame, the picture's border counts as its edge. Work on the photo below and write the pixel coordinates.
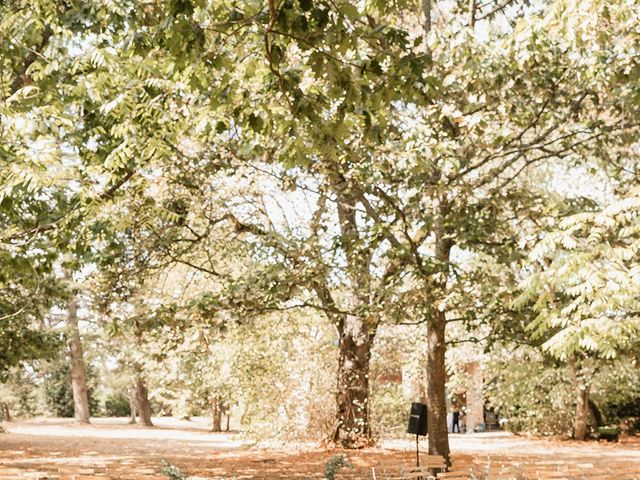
(366, 164)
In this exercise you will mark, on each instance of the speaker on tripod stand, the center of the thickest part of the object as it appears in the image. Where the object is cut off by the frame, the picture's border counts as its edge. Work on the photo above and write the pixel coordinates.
(418, 425)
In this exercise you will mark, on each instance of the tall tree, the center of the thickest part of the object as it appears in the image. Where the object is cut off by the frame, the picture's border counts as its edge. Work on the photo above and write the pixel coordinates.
(407, 152)
(584, 290)
(419, 150)
(411, 138)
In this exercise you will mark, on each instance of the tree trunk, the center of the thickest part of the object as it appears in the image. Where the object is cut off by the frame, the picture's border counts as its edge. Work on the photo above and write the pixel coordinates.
(475, 397)
(436, 393)
(582, 403)
(597, 414)
(582, 413)
(216, 414)
(353, 427)
(426, 13)
(356, 330)
(6, 413)
(78, 374)
(132, 408)
(473, 7)
(142, 396)
(436, 346)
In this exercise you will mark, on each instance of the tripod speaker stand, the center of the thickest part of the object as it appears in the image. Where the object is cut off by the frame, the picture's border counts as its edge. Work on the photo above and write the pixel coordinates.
(418, 425)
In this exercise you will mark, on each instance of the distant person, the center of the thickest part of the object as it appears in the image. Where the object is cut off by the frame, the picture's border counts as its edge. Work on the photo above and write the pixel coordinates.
(456, 421)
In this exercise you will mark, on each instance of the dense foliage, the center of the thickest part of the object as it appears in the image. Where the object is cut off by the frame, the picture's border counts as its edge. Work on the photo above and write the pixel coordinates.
(56, 390)
(241, 206)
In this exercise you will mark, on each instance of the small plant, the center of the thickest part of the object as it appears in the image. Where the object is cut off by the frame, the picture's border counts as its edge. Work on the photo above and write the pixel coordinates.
(171, 471)
(334, 465)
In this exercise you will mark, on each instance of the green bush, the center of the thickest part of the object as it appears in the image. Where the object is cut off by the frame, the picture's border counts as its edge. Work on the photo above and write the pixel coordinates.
(388, 409)
(334, 465)
(19, 393)
(57, 391)
(616, 391)
(117, 405)
(533, 396)
(536, 394)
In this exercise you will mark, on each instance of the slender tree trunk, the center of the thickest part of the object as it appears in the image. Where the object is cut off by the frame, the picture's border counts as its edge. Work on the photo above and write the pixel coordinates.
(132, 408)
(436, 393)
(472, 13)
(228, 419)
(6, 413)
(474, 416)
(353, 426)
(426, 13)
(436, 347)
(142, 396)
(216, 414)
(582, 413)
(219, 415)
(78, 374)
(582, 403)
(597, 414)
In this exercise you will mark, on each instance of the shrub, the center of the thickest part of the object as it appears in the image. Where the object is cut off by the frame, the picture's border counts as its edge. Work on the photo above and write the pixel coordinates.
(533, 396)
(57, 391)
(334, 465)
(117, 405)
(389, 409)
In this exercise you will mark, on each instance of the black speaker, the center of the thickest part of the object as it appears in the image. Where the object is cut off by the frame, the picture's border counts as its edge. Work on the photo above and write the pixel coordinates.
(418, 419)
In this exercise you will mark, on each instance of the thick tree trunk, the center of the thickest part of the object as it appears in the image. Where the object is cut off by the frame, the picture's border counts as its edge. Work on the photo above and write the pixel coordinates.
(582, 403)
(353, 427)
(6, 413)
(436, 393)
(76, 360)
(142, 397)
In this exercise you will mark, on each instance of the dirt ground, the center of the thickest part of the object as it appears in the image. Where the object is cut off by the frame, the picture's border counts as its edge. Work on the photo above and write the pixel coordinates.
(110, 448)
